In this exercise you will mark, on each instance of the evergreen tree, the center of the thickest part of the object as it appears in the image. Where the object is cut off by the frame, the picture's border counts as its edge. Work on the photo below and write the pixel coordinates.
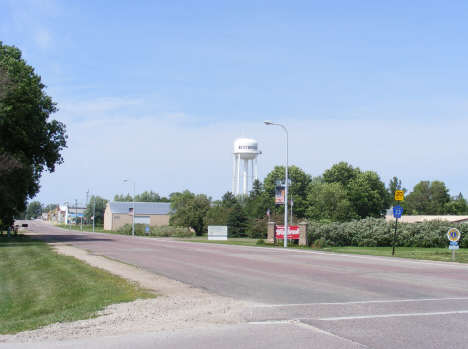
(237, 222)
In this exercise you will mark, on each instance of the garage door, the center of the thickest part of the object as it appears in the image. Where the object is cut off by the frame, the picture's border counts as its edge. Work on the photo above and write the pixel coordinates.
(142, 220)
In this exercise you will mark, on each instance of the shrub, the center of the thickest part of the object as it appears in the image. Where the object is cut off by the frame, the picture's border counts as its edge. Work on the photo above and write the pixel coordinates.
(258, 229)
(162, 231)
(319, 244)
(372, 232)
(170, 231)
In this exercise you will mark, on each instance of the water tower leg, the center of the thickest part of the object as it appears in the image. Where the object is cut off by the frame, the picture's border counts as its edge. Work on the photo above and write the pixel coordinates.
(234, 175)
(238, 173)
(246, 175)
(256, 169)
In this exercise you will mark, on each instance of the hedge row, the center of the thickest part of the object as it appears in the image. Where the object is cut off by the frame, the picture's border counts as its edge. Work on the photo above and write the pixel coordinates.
(371, 232)
(162, 231)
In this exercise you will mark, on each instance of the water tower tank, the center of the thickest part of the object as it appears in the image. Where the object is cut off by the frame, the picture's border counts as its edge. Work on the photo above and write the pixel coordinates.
(247, 150)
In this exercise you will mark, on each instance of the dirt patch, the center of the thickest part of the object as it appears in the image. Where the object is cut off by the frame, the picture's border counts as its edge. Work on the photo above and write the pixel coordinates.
(179, 306)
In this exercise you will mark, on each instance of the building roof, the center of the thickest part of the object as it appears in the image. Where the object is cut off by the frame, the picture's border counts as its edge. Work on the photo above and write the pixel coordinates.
(140, 207)
(420, 219)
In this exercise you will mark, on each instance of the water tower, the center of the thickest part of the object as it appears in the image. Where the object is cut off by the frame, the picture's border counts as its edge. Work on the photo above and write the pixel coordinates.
(247, 150)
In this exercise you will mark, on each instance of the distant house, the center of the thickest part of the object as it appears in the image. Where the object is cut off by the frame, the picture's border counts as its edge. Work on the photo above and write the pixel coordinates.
(62, 214)
(118, 214)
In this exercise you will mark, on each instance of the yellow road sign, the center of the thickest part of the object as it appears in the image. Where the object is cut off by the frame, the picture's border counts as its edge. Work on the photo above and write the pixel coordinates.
(399, 194)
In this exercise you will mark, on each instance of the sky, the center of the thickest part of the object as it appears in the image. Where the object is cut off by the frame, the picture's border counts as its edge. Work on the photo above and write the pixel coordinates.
(158, 91)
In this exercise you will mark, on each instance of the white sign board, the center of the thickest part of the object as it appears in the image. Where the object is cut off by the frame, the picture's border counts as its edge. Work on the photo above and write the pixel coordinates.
(217, 232)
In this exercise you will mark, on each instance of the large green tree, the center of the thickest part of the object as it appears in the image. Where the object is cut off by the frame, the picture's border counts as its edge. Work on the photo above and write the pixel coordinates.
(146, 196)
(188, 210)
(26, 133)
(457, 205)
(427, 198)
(328, 202)
(297, 190)
(13, 187)
(342, 173)
(368, 195)
(34, 210)
(365, 191)
(237, 222)
(5, 81)
(123, 198)
(96, 207)
(258, 201)
(216, 215)
(228, 200)
(49, 208)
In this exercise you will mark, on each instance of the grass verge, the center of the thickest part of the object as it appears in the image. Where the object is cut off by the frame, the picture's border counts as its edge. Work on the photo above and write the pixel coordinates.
(431, 254)
(88, 228)
(39, 287)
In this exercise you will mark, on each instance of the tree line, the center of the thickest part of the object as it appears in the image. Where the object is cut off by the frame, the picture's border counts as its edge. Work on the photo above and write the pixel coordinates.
(342, 193)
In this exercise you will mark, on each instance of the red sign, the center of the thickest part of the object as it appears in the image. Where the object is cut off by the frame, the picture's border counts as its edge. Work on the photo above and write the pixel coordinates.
(293, 232)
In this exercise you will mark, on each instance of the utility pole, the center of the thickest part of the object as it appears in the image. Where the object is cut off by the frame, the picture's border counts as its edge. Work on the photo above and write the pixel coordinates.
(87, 195)
(94, 210)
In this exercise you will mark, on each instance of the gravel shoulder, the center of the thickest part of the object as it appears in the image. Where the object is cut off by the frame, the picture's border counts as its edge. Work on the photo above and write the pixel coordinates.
(178, 306)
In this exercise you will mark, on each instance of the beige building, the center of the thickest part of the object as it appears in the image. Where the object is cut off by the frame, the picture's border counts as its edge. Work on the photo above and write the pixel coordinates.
(420, 219)
(118, 214)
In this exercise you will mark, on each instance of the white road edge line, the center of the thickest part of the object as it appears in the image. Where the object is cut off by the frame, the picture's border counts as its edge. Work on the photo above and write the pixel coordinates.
(272, 322)
(363, 302)
(361, 317)
(391, 315)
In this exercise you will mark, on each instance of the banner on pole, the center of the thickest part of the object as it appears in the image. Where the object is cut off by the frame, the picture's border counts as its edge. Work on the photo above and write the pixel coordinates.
(279, 196)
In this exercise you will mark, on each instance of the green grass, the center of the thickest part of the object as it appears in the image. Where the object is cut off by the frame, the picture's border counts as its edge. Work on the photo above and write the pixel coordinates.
(431, 254)
(88, 228)
(39, 287)
(230, 241)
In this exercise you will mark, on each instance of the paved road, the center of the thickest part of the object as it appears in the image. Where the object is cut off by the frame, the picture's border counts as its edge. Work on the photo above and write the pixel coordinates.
(308, 298)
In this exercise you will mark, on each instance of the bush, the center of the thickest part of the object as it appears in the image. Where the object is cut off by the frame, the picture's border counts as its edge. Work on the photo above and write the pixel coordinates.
(162, 231)
(372, 232)
(258, 229)
(319, 244)
(125, 229)
(170, 231)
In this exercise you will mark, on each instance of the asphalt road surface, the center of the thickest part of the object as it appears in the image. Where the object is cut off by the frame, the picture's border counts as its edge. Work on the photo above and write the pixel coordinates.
(309, 299)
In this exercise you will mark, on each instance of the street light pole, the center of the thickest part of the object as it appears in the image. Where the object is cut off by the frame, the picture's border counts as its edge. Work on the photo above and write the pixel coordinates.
(94, 210)
(133, 213)
(285, 186)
